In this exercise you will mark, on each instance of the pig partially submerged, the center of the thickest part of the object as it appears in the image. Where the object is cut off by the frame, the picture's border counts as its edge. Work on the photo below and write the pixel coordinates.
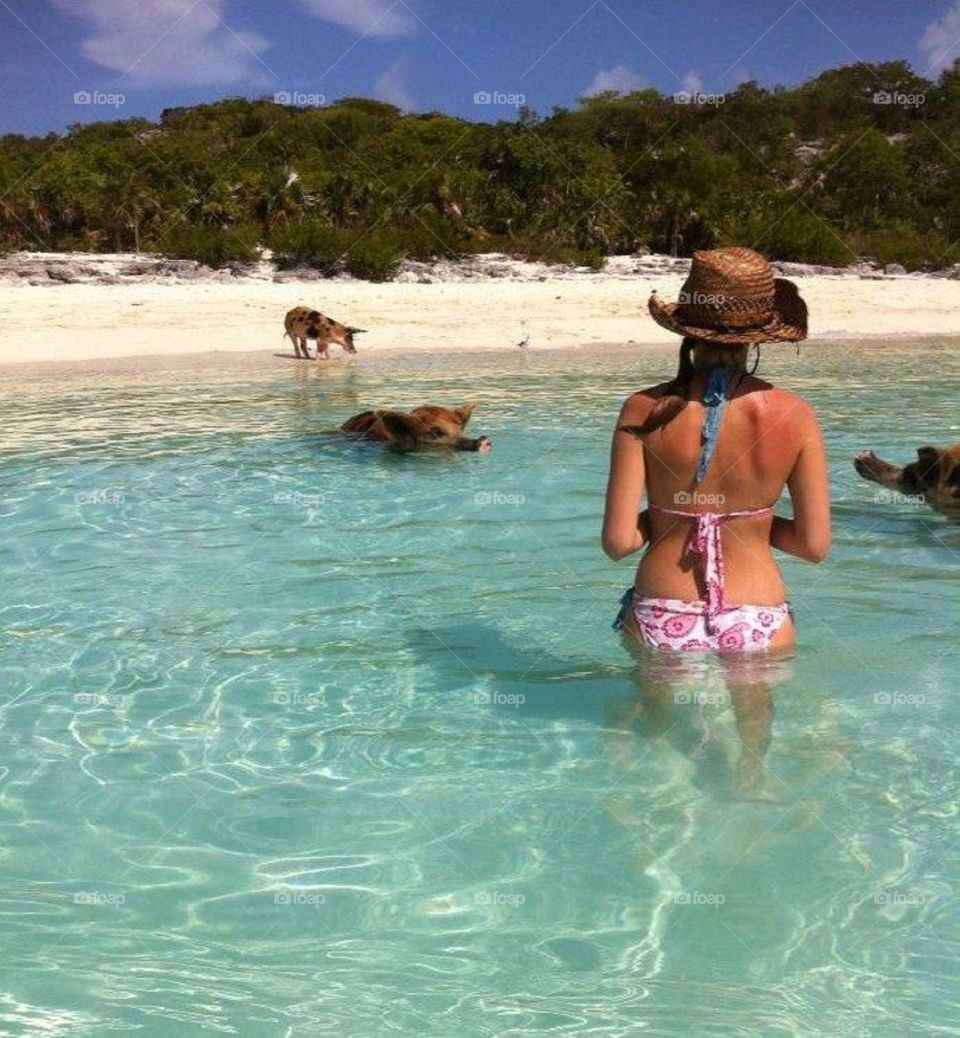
(935, 475)
(423, 428)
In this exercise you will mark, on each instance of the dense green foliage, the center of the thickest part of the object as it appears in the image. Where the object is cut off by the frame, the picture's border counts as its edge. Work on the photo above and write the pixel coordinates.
(816, 173)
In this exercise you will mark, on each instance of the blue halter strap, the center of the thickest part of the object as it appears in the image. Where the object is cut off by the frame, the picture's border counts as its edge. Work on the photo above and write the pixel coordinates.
(715, 398)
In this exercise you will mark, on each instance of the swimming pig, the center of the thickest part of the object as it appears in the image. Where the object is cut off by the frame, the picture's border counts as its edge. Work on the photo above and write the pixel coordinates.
(302, 323)
(935, 474)
(423, 428)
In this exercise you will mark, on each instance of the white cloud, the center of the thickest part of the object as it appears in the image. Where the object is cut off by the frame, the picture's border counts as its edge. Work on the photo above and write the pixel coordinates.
(170, 42)
(940, 41)
(619, 78)
(381, 18)
(692, 83)
(391, 87)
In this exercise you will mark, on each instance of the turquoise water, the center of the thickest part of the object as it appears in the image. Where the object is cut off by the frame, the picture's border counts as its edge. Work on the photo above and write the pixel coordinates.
(303, 738)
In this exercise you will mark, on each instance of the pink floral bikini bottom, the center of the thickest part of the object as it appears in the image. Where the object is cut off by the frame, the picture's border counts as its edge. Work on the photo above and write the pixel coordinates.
(672, 625)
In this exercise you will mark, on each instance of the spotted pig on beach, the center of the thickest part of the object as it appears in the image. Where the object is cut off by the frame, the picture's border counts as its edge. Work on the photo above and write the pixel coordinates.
(302, 323)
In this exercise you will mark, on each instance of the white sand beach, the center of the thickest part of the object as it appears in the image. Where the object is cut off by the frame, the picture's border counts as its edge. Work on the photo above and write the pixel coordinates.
(555, 309)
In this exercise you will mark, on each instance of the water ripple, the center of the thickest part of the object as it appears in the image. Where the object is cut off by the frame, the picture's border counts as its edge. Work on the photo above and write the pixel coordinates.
(302, 737)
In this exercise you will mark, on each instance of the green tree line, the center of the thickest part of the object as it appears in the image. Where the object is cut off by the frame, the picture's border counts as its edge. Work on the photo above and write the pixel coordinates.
(860, 161)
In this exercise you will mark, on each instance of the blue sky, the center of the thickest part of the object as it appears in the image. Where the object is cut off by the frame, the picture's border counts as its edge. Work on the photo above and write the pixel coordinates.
(135, 57)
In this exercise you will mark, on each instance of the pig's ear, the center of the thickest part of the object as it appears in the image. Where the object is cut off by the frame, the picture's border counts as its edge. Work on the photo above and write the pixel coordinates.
(928, 465)
(399, 427)
(464, 411)
(360, 423)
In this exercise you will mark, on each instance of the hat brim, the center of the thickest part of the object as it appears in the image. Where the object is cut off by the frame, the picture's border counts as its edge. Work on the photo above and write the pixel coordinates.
(788, 323)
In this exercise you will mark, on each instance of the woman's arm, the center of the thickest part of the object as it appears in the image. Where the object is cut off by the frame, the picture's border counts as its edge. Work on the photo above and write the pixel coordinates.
(807, 535)
(625, 528)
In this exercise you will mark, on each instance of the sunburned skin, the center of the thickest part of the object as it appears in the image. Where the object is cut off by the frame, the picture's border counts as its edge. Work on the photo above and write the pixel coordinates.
(769, 441)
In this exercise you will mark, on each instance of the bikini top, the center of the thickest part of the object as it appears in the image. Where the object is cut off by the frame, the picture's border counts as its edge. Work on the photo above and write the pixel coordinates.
(704, 541)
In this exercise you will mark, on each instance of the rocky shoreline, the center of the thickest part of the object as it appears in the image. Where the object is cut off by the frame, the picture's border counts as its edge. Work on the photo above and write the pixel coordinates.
(73, 268)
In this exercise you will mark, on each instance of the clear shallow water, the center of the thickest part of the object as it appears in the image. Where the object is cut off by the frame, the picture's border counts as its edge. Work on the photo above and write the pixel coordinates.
(297, 737)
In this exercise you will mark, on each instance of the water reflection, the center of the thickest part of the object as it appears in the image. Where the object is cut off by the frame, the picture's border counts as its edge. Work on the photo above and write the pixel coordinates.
(682, 698)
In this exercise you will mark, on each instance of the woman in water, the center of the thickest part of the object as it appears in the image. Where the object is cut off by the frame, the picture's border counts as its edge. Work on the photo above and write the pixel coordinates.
(712, 450)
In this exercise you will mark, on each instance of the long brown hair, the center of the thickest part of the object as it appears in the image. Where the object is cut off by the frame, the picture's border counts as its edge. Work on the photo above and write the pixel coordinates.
(677, 390)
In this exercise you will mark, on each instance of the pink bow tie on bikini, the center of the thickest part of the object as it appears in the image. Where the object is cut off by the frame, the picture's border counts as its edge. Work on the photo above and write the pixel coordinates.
(705, 543)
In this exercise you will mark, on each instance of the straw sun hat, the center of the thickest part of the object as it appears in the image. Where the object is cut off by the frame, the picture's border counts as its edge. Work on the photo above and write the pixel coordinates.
(731, 296)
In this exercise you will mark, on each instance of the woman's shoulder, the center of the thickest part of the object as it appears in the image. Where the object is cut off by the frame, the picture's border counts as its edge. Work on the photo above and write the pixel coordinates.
(639, 404)
(783, 403)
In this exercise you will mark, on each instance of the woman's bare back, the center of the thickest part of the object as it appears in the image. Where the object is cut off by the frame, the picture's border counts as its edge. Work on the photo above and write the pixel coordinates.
(757, 448)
